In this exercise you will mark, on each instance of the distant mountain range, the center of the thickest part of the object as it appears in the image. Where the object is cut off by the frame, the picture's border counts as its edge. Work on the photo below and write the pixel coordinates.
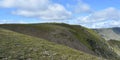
(109, 33)
(55, 41)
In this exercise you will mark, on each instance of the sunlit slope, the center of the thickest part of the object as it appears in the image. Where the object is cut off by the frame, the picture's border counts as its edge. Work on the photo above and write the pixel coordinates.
(109, 33)
(115, 45)
(15, 46)
(73, 36)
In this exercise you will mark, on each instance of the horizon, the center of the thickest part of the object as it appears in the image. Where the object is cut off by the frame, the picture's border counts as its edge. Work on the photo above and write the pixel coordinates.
(57, 23)
(88, 13)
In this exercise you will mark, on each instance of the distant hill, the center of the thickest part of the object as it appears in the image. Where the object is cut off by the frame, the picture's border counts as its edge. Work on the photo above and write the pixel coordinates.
(73, 36)
(110, 33)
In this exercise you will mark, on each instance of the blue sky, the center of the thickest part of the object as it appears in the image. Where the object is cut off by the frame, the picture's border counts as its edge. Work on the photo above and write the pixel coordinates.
(88, 13)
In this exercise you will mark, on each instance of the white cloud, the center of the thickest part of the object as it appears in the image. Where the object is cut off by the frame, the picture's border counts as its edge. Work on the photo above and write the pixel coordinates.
(106, 24)
(25, 4)
(82, 7)
(79, 7)
(5, 21)
(103, 15)
(2, 21)
(44, 9)
(104, 18)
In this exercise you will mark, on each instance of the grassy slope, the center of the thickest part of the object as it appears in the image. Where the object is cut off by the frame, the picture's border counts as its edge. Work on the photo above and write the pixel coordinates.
(15, 46)
(51, 32)
(92, 40)
(86, 36)
(115, 45)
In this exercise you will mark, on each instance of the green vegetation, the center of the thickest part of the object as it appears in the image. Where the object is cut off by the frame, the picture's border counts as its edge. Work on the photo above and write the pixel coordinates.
(16, 46)
(73, 36)
(115, 45)
(92, 40)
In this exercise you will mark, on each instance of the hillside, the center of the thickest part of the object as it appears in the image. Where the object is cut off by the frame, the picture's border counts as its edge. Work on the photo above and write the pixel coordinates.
(112, 35)
(109, 33)
(16, 46)
(73, 36)
(115, 45)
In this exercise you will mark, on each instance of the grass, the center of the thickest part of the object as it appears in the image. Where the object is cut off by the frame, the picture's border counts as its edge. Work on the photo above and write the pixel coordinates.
(87, 37)
(16, 46)
(115, 45)
(92, 40)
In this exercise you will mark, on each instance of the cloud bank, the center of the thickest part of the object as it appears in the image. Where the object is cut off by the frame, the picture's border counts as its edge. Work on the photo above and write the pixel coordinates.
(48, 10)
(43, 9)
(109, 17)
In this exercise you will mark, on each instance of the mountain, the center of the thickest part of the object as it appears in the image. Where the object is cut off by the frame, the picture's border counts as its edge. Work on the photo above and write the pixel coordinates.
(112, 35)
(73, 36)
(115, 45)
(16, 46)
(109, 33)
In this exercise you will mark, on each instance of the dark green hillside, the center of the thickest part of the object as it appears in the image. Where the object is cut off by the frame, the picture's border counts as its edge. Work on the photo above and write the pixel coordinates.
(15, 46)
(73, 36)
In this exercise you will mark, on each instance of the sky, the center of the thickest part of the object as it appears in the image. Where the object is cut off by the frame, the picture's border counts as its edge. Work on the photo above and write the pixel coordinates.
(88, 13)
